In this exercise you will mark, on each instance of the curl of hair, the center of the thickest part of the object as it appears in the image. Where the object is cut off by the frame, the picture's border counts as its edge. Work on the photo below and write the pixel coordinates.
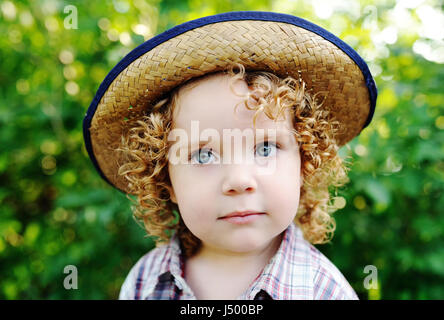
(145, 147)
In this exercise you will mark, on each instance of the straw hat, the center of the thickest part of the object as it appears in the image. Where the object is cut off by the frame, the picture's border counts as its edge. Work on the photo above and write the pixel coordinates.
(280, 43)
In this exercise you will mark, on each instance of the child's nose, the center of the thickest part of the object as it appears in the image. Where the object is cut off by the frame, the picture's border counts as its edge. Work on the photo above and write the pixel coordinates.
(238, 179)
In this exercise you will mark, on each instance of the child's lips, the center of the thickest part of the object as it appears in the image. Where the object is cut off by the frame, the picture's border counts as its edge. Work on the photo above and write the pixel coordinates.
(242, 217)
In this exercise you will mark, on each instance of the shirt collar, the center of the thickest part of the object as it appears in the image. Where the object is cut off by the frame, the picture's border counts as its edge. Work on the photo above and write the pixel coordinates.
(287, 276)
(172, 262)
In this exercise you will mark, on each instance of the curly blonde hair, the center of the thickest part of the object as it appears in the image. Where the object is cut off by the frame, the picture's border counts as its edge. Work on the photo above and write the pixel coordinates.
(145, 146)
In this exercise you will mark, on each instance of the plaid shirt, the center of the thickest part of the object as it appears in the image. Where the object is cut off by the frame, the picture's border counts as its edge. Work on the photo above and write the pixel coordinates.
(298, 271)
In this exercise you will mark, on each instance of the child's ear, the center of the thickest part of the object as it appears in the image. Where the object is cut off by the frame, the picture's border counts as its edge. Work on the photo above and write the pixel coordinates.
(301, 175)
(301, 181)
(172, 195)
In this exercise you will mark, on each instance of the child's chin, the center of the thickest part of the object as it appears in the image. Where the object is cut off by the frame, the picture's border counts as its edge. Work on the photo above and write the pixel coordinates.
(247, 244)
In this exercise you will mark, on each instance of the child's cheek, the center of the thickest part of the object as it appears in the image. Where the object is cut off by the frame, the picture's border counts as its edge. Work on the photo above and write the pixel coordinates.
(196, 190)
(197, 214)
(284, 187)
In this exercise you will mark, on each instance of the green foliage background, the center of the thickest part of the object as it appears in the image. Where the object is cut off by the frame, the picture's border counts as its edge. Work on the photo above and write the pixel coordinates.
(56, 211)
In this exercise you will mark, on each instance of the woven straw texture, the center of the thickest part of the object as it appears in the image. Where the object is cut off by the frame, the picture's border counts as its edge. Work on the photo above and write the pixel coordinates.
(278, 47)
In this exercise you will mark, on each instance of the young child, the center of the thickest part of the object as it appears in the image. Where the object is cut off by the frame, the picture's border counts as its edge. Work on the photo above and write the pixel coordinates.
(232, 220)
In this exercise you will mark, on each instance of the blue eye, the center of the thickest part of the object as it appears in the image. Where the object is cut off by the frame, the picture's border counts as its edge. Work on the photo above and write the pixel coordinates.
(202, 156)
(265, 149)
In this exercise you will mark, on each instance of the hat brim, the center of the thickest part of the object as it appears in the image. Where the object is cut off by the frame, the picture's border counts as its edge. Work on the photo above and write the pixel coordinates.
(280, 43)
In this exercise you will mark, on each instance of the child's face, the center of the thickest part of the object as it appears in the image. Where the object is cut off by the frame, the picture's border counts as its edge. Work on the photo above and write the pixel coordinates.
(206, 191)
